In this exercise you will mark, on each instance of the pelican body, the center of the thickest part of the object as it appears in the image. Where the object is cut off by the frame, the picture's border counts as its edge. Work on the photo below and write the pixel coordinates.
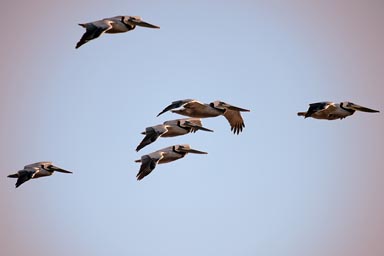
(34, 171)
(194, 108)
(118, 24)
(171, 128)
(332, 111)
(165, 155)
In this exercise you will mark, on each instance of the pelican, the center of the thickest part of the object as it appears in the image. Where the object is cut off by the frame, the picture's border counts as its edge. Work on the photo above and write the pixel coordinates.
(331, 111)
(118, 24)
(34, 171)
(194, 108)
(171, 128)
(165, 155)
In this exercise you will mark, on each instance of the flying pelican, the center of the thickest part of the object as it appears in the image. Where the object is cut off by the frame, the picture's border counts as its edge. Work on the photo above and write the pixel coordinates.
(36, 170)
(331, 111)
(165, 155)
(118, 24)
(194, 108)
(171, 128)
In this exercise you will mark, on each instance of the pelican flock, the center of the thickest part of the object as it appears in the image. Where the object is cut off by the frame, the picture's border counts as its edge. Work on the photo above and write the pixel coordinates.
(191, 108)
(330, 111)
(118, 24)
(34, 171)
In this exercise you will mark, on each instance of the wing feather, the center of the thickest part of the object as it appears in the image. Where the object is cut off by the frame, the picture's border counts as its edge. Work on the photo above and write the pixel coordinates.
(235, 120)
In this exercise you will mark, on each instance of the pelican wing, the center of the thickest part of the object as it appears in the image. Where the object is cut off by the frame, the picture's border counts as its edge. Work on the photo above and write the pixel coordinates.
(94, 30)
(235, 120)
(148, 164)
(23, 177)
(176, 104)
(151, 135)
(319, 107)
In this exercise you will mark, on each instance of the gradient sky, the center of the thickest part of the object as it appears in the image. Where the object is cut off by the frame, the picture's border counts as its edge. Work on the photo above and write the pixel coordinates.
(285, 186)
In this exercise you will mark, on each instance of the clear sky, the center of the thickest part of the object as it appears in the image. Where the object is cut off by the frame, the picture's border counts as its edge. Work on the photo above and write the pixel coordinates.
(284, 187)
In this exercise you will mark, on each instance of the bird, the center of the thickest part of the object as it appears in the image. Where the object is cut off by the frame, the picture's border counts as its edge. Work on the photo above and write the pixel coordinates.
(165, 155)
(194, 108)
(171, 128)
(118, 24)
(34, 171)
(332, 111)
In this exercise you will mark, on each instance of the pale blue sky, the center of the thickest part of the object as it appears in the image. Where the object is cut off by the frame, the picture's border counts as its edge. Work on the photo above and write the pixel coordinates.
(285, 186)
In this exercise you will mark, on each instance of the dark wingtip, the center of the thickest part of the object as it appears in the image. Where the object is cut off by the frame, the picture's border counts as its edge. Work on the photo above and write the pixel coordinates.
(140, 176)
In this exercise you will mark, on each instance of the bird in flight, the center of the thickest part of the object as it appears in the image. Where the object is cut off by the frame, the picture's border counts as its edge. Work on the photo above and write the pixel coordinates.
(171, 128)
(165, 155)
(34, 171)
(331, 111)
(194, 108)
(118, 24)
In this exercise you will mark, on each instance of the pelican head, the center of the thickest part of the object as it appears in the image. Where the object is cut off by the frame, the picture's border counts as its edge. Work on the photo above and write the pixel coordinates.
(185, 148)
(353, 106)
(137, 21)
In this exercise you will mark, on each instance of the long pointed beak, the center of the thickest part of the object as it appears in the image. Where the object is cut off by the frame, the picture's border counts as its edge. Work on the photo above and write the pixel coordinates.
(145, 24)
(204, 129)
(62, 170)
(238, 109)
(364, 109)
(197, 127)
(143, 133)
(196, 151)
(138, 161)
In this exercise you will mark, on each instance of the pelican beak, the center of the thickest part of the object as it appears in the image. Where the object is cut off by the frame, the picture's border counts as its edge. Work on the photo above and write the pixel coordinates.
(198, 127)
(61, 170)
(145, 24)
(361, 108)
(194, 151)
(204, 129)
(237, 109)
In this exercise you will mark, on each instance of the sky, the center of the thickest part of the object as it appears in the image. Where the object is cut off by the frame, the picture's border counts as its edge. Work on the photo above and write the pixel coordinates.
(284, 186)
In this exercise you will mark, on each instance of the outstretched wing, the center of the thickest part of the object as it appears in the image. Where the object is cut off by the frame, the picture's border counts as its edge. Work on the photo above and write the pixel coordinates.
(23, 177)
(147, 165)
(175, 104)
(94, 30)
(319, 106)
(151, 135)
(235, 120)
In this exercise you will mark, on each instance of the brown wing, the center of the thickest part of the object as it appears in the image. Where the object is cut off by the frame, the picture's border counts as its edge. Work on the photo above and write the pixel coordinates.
(175, 104)
(148, 164)
(235, 120)
(328, 112)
